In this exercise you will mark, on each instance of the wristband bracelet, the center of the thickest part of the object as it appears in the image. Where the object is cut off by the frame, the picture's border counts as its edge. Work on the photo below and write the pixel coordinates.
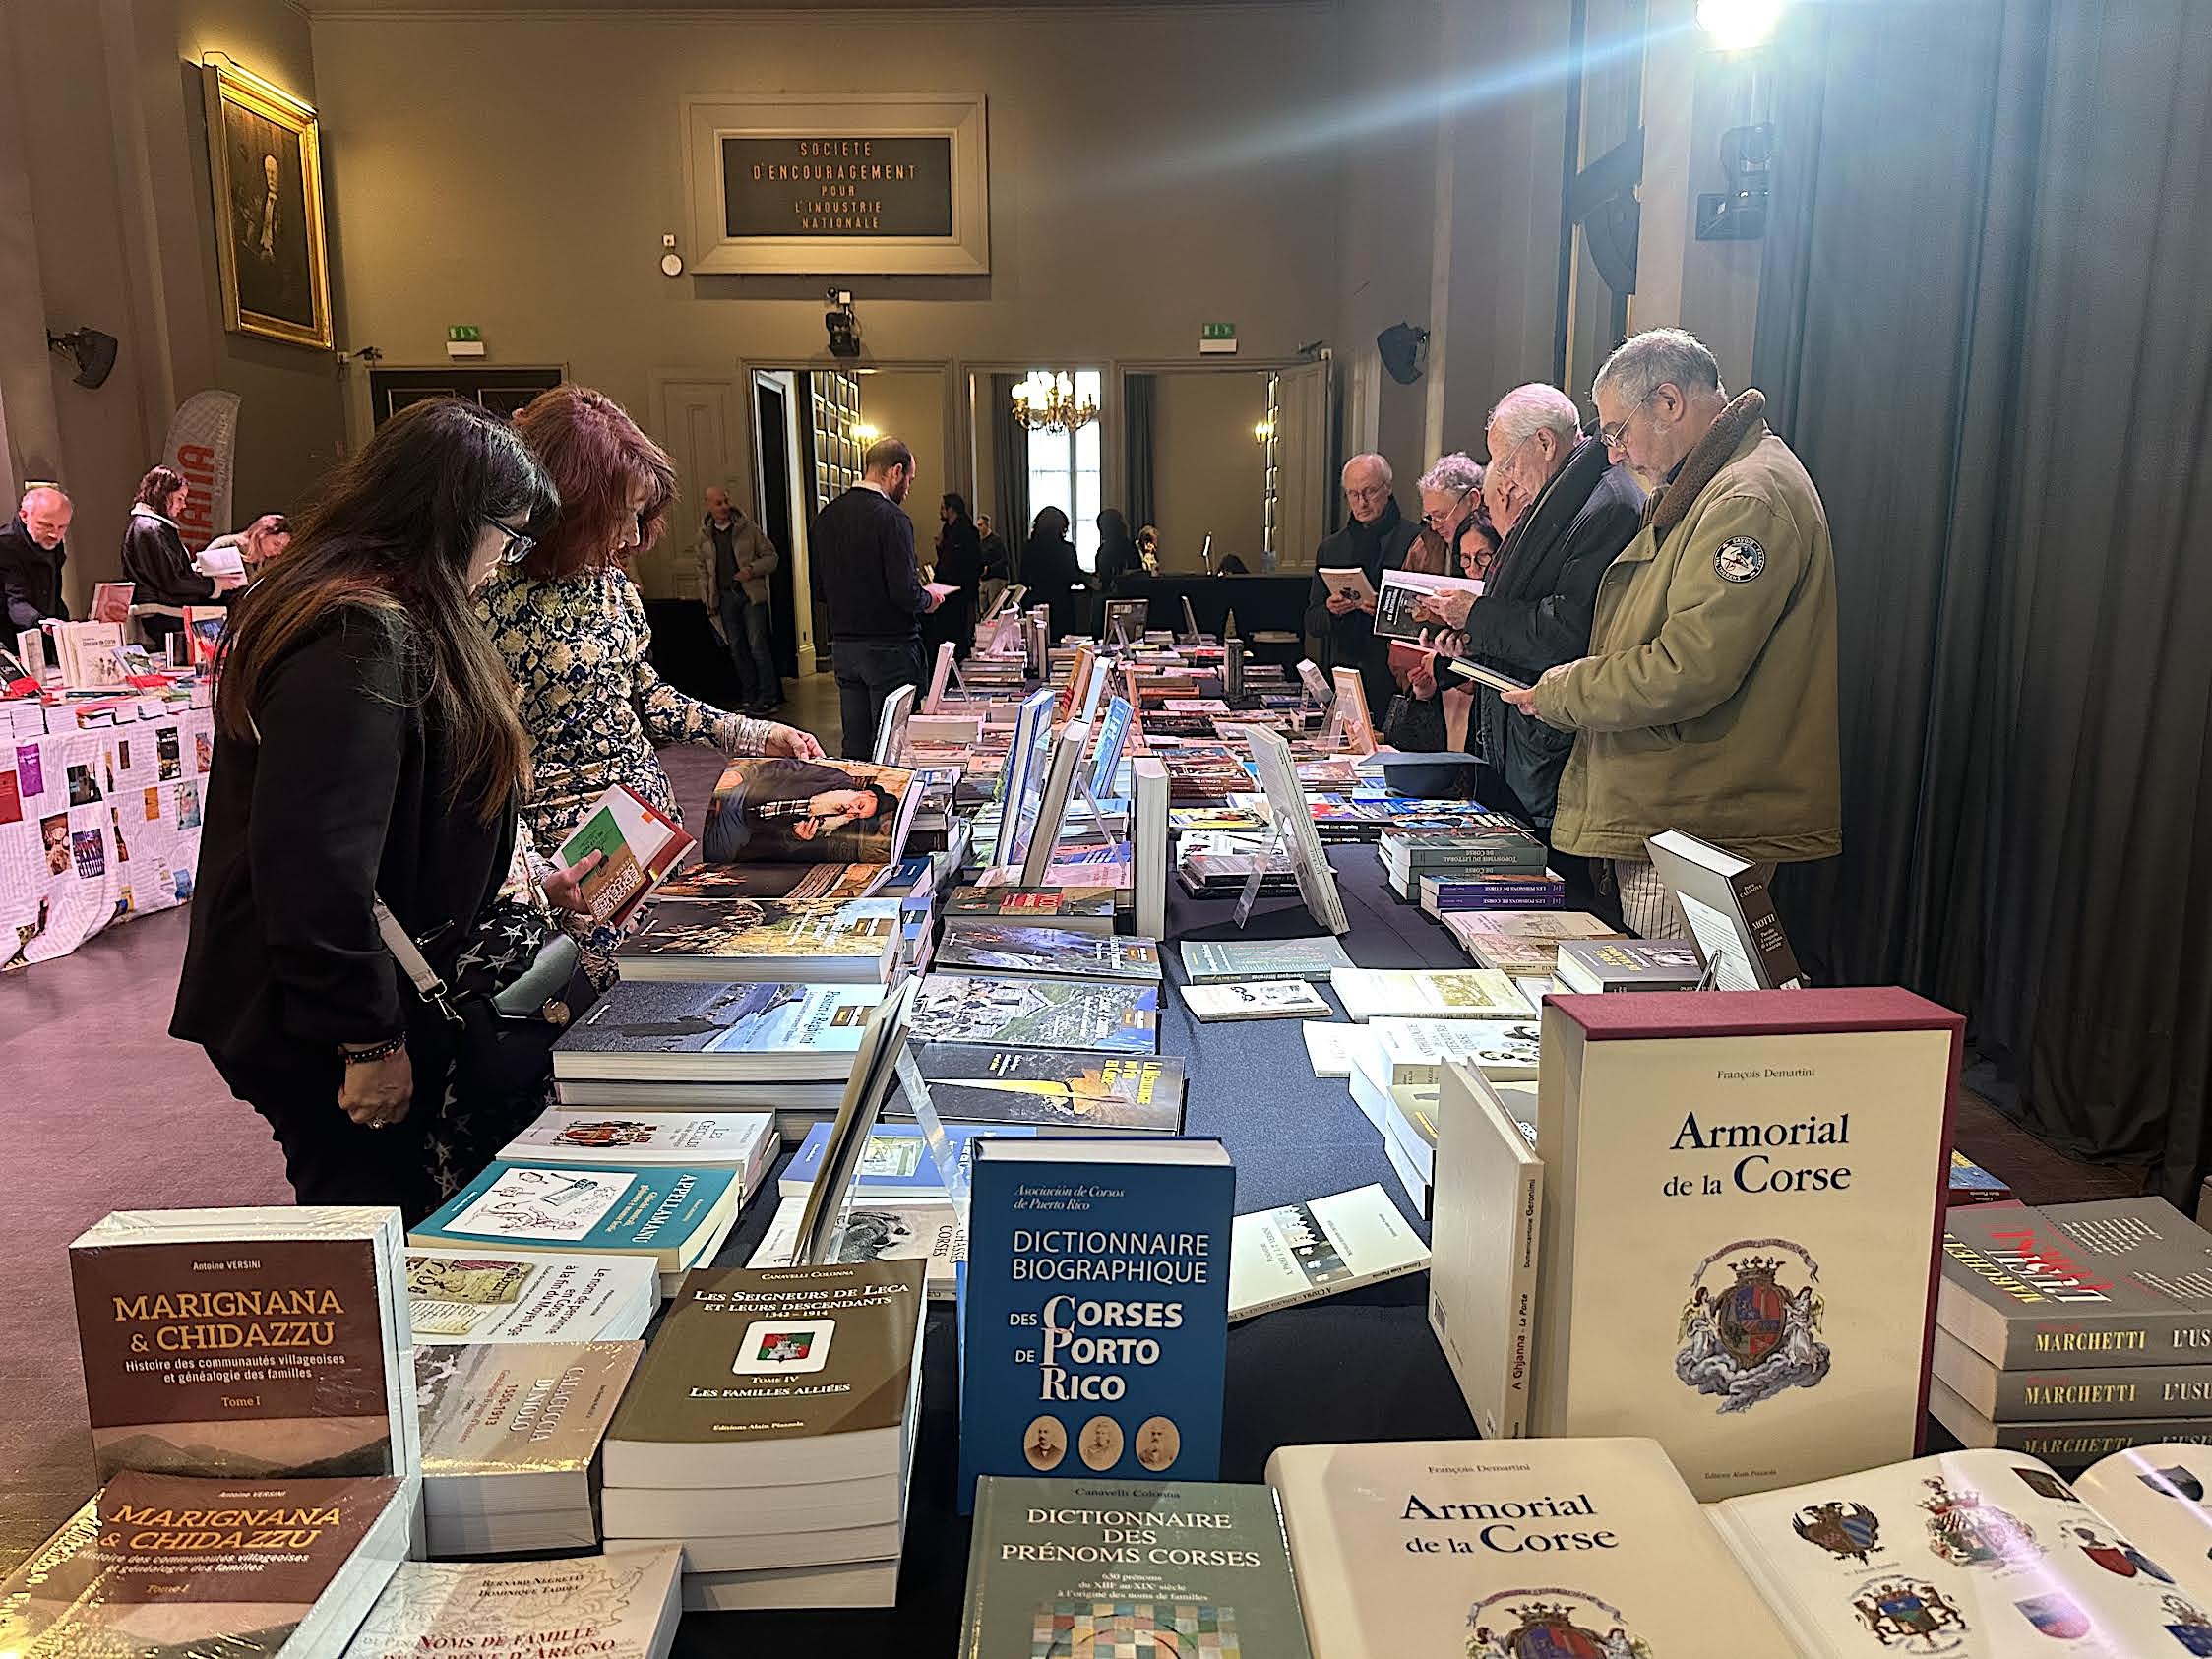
(379, 1050)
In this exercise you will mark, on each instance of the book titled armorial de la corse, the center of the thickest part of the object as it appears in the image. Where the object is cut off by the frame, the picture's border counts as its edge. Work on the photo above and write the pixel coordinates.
(1095, 1313)
(1744, 1196)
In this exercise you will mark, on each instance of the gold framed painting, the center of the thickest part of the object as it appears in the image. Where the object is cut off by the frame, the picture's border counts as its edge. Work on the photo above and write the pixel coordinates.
(265, 169)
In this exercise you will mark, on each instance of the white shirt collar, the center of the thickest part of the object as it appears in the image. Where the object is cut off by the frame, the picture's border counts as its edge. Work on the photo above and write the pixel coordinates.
(871, 484)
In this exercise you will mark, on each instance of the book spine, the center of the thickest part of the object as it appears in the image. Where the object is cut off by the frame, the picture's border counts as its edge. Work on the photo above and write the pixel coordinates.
(1520, 1318)
(2096, 1341)
(2080, 1444)
(2134, 1392)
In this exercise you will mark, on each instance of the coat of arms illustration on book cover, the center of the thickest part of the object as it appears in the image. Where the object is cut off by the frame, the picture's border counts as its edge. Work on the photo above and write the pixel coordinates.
(1749, 1339)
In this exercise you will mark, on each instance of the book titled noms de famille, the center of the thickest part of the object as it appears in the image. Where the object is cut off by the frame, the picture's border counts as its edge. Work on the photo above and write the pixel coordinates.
(1742, 1210)
(161, 1566)
(620, 1605)
(246, 1344)
(527, 1296)
(1143, 1568)
(1094, 1309)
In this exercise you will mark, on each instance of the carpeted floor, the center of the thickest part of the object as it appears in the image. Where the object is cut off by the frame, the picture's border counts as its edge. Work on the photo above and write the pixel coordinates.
(109, 1113)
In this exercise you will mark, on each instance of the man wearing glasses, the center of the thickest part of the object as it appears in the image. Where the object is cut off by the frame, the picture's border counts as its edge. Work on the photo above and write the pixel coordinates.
(1374, 539)
(1709, 701)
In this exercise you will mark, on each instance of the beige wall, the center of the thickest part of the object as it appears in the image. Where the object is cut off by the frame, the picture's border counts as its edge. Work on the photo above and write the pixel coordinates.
(910, 404)
(1207, 472)
(518, 174)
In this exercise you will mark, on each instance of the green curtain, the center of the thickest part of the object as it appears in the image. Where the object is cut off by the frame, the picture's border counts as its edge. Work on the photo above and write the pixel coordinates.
(1984, 326)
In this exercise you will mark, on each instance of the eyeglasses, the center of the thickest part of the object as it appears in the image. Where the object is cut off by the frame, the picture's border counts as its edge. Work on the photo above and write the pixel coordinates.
(1436, 518)
(1611, 435)
(517, 547)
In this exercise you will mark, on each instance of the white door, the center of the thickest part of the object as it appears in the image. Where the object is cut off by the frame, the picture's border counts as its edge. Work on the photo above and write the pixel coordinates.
(1301, 418)
(698, 425)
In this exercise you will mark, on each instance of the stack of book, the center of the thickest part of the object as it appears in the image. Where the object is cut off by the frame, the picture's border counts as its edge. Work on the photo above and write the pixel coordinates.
(1481, 845)
(655, 1045)
(620, 1605)
(2073, 1330)
(673, 1216)
(1522, 942)
(771, 1432)
(1397, 1069)
(1536, 890)
(511, 1436)
(855, 941)
(1628, 964)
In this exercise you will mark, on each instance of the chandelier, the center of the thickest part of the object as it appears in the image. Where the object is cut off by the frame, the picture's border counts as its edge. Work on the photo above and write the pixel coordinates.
(1046, 402)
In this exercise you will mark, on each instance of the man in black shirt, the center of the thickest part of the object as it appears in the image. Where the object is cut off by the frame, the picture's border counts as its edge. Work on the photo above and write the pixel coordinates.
(864, 563)
(31, 555)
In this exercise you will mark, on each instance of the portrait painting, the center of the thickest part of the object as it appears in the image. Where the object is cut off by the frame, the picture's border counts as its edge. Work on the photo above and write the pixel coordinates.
(265, 169)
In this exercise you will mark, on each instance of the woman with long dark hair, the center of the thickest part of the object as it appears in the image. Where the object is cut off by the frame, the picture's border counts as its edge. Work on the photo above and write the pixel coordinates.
(571, 627)
(366, 750)
(155, 561)
(1050, 570)
(959, 563)
(1117, 557)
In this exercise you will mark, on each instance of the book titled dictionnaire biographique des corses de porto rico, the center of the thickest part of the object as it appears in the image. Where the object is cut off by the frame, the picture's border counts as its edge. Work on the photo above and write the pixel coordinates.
(1095, 1310)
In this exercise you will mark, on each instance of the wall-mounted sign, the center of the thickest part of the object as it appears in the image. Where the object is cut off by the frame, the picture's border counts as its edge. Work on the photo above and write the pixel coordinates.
(834, 183)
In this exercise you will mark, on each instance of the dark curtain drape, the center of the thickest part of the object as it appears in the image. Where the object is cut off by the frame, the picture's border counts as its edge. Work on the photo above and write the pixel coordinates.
(1984, 326)
(1010, 483)
(1137, 439)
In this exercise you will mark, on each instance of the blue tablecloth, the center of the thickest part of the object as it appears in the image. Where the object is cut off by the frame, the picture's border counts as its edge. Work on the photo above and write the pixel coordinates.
(1357, 1367)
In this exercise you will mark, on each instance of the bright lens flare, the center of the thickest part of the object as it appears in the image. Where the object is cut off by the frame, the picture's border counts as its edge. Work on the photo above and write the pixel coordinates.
(1738, 25)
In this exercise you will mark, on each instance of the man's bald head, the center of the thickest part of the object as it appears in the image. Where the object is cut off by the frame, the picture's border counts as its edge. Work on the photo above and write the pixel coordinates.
(46, 513)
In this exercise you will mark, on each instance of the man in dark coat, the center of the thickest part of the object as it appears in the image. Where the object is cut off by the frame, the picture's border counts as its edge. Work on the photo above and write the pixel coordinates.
(1375, 538)
(1569, 512)
(31, 555)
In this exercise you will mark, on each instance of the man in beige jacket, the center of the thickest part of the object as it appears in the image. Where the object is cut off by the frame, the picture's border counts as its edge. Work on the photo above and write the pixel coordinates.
(735, 557)
(1709, 701)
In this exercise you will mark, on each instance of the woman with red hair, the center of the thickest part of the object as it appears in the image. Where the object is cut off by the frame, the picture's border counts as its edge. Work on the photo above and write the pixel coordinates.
(571, 626)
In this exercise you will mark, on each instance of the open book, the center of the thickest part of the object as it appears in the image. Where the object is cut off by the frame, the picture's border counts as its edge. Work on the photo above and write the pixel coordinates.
(772, 810)
(1591, 1547)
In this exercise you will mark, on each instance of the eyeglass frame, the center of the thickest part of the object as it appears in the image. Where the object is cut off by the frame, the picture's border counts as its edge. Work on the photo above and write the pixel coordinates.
(1430, 518)
(517, 547)
(1612, 439)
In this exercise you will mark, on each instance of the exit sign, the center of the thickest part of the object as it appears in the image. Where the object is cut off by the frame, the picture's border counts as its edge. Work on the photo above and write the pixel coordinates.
(465, 340)
(462, 332)
(1216, 337)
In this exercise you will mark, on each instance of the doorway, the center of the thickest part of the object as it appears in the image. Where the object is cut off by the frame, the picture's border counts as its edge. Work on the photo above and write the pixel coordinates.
(776, 452)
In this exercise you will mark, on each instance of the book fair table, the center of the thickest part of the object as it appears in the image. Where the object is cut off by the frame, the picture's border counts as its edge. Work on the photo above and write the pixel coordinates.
(1361, 1366)
(97, 823)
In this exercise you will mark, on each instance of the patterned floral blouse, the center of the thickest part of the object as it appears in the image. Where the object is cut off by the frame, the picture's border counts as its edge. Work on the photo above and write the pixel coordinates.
(594, 705)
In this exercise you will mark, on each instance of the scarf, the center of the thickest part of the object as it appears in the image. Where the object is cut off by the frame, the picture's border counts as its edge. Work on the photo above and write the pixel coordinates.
(1367, 540)
(1671, 503)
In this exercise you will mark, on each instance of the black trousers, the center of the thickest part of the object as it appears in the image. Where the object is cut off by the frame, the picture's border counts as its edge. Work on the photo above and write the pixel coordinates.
(1589, 884)
(328, 1158)
(867, 671)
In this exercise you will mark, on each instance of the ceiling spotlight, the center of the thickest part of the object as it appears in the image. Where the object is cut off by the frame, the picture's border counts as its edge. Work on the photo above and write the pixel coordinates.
(1738, 25)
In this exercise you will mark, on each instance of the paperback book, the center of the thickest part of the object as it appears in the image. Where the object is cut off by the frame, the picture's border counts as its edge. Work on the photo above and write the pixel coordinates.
(1439, 896)
(2060, 1396)
(1320, 1247)
(1484, 1237)
(657, 1031)
(1052, 1014)
(620, 1605)
(922, 1229)
(1087, 909)
(1628, 964)
(638, 847)
(1259, 999)
(1431, 993)
(896, 1164)
(1400, 1052)
(830, 882)
(174, 1567)
(527, 1296)
(672, 1214)
(854, 941)
(995, 948)
(1075, 1092)
(1231, 961)
(1142, 1569)
(743, 1141)
(1331, 1046)
(1063, 1231)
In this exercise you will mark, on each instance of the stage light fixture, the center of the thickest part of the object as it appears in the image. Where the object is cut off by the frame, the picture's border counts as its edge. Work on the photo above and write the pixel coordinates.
(1738, 25)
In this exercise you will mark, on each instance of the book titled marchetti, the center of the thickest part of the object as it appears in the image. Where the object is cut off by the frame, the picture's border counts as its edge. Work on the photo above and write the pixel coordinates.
(2112, 1282)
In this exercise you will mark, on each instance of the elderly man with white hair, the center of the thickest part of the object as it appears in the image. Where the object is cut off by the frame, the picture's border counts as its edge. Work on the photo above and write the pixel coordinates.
(1708, 700)
(31, 555)
(1565, 511)
(1374, 539)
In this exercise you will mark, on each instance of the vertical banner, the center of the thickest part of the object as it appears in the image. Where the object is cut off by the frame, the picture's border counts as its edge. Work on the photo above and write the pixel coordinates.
(202, 445)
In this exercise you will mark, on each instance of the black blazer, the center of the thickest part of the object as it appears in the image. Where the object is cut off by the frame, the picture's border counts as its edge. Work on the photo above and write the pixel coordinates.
(1348, 641)
(155, 563)
(1054, 578)
(1535, 611)
(348, 793)
(29, 577)
(864, 565)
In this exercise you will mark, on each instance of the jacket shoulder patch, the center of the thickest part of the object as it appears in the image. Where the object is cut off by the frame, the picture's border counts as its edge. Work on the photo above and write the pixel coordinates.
(1739, 559)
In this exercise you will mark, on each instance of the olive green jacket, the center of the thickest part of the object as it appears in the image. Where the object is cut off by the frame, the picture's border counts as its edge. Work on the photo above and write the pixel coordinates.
(1709, 701)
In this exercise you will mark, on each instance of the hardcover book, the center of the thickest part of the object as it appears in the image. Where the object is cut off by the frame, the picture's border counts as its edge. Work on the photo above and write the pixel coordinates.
(2115, 1282)
(1743, 1203)
(1231, 961)
(1060, 1094)
(173, 1568)
(789, 1376)
(638, 844)
(245, 1345)
(995, 948)
(1054, 1013)
(1483, 1240)
(1577, 1549)
(765, 939)
(1147, 1570)
(1094, 1309)
(660, 1031)
(740, 1140)
(1319, 1247)
(1434, 993)
(2059, 1395)
(675, 1215)
(620, 1605)
(527, 1296)
(1259, 999)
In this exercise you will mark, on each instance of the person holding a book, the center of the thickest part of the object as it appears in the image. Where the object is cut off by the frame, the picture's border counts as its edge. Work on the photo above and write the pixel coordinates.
(1375, 538)
(791, 812)
(155, 560)
(367, 752)
(570, 627)
(33, 551)
(1707, 700)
